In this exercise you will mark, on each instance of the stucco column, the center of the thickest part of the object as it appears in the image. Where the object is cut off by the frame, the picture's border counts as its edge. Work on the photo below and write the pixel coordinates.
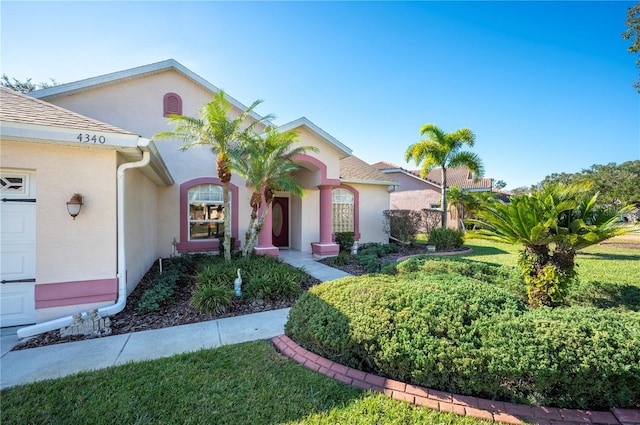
(326, 246)
(265, 238)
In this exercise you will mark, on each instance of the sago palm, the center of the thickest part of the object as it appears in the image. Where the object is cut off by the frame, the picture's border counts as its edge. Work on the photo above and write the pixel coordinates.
(444, 150)
(216, 129)
(267, 164)
(552, 224)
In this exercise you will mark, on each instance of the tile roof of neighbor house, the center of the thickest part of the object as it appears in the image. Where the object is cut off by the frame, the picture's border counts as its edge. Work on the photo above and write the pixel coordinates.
(353, 168)
(456, 176)
(390, 167)
(19, 108)
(459, 176)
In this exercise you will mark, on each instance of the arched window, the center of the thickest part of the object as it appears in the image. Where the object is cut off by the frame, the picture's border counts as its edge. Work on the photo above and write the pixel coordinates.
(172, 104)
(343, 203)
(206, 212)
(202, 215)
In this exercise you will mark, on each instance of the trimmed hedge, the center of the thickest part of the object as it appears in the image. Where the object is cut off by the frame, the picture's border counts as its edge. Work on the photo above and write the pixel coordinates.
(456, 333)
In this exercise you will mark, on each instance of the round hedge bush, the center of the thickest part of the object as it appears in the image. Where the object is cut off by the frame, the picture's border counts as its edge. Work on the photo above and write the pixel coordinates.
(455, 333)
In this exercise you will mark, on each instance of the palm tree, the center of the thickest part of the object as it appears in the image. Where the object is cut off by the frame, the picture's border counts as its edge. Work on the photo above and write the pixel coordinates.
(444, 150)
(215, 128)
(552, 224)
(462, 202)
(267, 164)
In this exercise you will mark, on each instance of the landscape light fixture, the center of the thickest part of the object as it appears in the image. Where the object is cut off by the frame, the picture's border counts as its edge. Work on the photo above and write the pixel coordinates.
(74, 205)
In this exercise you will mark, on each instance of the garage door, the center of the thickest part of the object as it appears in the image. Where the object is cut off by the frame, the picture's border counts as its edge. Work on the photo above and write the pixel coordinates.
(17, 248)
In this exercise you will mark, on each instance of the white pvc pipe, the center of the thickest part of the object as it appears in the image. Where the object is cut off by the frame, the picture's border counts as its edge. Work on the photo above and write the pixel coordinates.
(110, 310)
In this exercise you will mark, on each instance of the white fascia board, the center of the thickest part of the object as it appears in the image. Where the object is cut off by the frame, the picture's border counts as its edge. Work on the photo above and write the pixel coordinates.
(400, 170)
(69, 136)
(69, 88)
(376, 182)
(304, 122)
(161, 174)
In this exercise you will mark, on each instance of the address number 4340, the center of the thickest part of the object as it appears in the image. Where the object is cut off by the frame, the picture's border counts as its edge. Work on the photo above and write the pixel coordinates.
(90, 138)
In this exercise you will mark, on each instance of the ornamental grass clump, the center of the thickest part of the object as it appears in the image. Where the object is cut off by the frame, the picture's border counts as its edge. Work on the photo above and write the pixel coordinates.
(264, 278)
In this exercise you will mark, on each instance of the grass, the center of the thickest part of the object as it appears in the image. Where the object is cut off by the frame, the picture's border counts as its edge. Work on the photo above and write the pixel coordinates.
(240, 384)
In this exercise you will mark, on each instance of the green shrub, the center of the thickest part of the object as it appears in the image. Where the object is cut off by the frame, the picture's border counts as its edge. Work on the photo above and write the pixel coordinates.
(341, 259)
(345, 241)
(455, 333)
(446, 238)
(212, 298)
(403, 225)
(160, 293)
(505, 276)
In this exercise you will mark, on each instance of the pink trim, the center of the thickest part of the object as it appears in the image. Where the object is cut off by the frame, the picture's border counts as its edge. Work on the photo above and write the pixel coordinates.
(319, 165)
(356, 209)
(73, 293)
(185, 245)
(325, 249)
(265, 238)
(171, 104)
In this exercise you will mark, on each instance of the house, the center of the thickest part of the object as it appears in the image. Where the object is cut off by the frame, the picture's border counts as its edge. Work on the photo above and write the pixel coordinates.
(144, 199)
(416, 193)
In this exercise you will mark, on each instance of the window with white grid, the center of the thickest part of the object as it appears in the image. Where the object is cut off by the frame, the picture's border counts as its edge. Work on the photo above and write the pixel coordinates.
(343, 210)
(206, 212)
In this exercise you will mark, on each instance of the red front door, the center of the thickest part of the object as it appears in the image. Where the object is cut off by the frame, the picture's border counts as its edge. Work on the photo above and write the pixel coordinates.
(280, 222)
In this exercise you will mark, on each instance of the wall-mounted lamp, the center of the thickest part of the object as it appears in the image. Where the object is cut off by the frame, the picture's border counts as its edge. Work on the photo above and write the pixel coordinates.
(74, 205)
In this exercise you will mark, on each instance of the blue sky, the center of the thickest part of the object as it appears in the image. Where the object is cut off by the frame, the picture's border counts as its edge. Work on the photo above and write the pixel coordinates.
(546, 86)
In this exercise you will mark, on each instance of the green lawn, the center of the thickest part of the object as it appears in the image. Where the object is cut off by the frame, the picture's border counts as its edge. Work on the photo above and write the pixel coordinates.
(241, 384)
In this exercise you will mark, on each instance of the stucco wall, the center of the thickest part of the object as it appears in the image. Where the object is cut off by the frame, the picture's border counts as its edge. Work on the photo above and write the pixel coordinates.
(141, 225)
(67, 250)
(374, 199)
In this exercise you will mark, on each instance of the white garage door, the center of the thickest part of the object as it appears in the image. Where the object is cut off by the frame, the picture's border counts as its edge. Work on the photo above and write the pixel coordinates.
(17, 248)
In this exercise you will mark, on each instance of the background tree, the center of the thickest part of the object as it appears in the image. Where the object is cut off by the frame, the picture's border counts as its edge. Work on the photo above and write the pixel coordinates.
(633, 33)
(552, 224)
(617, 184)
(25, 86)
(444, 150)
(267, 164)
(499, 184)
(215, 129)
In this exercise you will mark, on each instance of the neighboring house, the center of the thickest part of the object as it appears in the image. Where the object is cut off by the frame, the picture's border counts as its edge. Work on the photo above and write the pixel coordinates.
(79, 137)
(416, 193)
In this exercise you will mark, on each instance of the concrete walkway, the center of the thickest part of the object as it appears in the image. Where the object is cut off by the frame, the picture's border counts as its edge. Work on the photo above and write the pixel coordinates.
(55, 361)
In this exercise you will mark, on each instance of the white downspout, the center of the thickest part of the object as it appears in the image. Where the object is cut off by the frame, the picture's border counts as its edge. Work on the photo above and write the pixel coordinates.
(110, 310)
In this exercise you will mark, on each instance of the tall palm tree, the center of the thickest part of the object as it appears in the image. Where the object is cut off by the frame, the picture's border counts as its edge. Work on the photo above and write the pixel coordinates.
(552, 224)
(267, 164)
(216, 129)
(444, 150)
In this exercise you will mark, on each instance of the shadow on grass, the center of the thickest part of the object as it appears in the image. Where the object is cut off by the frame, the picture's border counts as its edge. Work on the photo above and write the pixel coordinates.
(483, 250)
(239, 384)
(609, 256)
(608, 295)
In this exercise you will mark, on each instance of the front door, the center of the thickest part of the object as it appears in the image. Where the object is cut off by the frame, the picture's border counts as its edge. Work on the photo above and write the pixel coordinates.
(17, 248)
(280, 222)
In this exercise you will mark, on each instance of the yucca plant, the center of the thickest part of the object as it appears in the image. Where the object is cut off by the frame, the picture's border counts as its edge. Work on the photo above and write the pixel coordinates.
(552, 224)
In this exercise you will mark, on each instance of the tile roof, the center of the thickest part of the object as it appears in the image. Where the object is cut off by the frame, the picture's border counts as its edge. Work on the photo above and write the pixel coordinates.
(458, 176)
(19, 108)
(353, 168)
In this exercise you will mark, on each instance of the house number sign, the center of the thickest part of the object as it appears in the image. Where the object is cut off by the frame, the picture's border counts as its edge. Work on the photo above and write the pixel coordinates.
(91, 138)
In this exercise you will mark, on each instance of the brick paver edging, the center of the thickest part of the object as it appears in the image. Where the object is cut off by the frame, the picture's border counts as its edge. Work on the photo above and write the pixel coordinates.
(446, 402)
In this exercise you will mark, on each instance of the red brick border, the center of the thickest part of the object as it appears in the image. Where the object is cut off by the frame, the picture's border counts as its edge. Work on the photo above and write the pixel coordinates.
(447, 402)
